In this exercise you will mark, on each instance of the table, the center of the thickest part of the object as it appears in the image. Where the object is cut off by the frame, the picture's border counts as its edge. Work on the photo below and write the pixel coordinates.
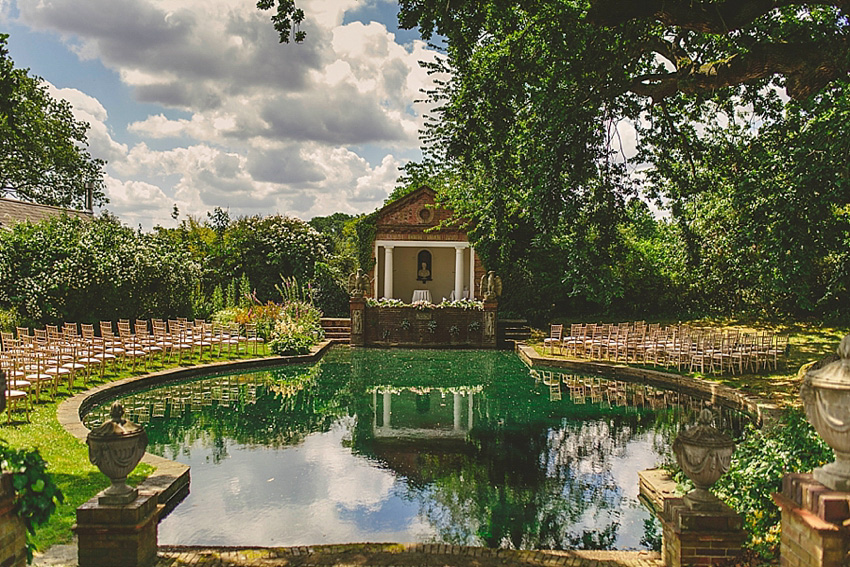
(421, 295)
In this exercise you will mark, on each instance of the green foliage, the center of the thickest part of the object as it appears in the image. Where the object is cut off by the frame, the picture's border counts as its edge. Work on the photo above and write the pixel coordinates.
(9, 319)
(43, 156)
(366, 230)
(329, 292)
(758, 465)
(36, 495)
(256, 250)
(297, 329)
(68, 269)
(242, 298)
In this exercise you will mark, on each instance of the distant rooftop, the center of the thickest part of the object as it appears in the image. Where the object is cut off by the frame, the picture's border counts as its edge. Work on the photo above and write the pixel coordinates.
(12, 212)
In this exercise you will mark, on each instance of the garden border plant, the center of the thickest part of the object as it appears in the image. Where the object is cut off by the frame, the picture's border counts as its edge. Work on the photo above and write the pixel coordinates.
(36, 493)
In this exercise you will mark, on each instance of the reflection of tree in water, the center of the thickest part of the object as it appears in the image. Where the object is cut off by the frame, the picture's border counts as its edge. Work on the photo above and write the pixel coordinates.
(536, 486)
(268, 409)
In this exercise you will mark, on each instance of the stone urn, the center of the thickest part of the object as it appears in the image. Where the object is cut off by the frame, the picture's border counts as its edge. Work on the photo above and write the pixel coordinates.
(826, 397)
(704, 454)
(116, 447)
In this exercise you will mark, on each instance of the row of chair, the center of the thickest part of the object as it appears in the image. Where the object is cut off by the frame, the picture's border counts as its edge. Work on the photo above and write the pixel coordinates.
(48, 358)
(725, 351)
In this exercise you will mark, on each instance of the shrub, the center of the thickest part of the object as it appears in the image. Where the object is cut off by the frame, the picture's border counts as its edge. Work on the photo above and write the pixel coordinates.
(9, 319)
(36, 495)
(68, 269)
(298, 328)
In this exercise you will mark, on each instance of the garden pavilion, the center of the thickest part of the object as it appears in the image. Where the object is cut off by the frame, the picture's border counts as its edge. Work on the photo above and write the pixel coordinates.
(421, 253)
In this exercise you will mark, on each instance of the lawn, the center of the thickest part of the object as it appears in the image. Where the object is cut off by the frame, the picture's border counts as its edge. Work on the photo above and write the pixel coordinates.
(67, 456)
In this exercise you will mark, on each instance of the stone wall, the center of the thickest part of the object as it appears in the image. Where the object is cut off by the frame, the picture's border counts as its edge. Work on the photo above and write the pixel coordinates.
(13, 534)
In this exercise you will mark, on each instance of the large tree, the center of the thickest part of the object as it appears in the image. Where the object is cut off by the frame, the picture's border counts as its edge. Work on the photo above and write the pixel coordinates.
(529, 96)
(43, 156)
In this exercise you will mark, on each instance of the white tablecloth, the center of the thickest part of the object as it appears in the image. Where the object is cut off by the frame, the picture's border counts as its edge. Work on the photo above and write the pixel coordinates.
(422, 295)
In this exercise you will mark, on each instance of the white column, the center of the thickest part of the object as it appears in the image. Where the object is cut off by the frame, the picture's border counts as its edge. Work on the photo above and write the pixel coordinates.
(387, 409)
(471, 272)
(458, 272)
(456, 413)
(375, 282)
(470, 411)
(388, 272)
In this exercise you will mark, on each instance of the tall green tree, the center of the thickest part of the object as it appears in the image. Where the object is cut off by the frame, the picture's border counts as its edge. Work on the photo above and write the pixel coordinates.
(43, 155)
(529, 96)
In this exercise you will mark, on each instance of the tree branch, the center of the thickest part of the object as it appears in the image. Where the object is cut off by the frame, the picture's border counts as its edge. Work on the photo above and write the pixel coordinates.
(702, 17)
(807, 67)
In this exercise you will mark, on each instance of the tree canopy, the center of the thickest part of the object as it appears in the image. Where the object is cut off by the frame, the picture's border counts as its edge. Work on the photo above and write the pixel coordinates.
(527, 141)
(43, 156)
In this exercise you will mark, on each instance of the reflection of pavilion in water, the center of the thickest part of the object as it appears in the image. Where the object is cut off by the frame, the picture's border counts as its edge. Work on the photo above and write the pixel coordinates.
(430, 418)
(422, 433)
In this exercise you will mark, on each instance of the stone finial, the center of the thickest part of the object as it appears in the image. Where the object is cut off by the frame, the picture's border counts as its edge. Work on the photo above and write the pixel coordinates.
(704, 453)
(826, 398)
(116, 447)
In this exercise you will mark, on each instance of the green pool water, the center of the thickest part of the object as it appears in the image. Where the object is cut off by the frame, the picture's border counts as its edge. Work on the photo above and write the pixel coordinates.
(369, 445)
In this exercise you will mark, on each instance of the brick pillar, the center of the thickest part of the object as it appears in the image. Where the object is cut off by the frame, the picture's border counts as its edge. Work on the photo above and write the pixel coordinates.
(13, 534)
(700, 537)
(357, 310)
(690, 537)
(112, 535)
(813, 518)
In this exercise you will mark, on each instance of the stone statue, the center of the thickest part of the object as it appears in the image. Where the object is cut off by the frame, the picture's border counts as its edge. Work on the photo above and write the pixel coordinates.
(491, 286)
(358, 283)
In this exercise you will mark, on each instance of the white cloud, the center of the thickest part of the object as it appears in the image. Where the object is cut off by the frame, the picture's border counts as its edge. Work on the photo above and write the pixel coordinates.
(88, 109)
(245, 122)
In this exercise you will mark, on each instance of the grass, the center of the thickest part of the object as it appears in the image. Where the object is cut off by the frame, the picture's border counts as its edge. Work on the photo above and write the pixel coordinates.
(809, 342)
(67, 456)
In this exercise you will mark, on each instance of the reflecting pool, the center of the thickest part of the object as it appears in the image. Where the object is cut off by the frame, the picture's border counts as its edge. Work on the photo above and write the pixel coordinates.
(368, 445)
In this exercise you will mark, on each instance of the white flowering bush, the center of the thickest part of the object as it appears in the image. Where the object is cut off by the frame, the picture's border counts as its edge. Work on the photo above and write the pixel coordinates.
(68, 269)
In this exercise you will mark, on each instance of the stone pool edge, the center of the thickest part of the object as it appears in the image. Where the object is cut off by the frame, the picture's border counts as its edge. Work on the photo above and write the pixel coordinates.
(763, 410)
(170, 480)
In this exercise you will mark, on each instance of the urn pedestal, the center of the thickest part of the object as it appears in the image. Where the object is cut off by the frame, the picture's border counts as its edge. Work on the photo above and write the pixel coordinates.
(118, 526)
(697, 529)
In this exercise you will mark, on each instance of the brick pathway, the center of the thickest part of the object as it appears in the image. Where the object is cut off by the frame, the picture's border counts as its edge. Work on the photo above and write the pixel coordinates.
(372, 555)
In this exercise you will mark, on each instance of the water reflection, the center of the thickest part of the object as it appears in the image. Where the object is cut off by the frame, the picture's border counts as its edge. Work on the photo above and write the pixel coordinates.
(465, 447)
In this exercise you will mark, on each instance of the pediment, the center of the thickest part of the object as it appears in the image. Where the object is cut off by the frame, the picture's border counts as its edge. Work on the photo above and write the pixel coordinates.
(415, 210)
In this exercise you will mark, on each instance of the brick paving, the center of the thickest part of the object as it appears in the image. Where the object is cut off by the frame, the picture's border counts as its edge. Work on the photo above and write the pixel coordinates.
(371, 555)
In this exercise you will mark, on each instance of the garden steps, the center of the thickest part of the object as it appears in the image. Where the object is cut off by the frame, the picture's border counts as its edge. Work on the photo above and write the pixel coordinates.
(337, 329)
(513, 330)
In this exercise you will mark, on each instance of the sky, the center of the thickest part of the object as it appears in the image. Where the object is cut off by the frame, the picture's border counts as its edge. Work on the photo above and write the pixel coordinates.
(195, 103)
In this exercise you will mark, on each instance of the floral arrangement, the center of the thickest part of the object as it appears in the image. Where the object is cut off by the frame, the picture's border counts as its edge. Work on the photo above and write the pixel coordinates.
(470, 304)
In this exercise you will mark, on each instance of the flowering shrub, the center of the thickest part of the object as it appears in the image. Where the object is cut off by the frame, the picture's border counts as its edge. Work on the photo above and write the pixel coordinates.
(297, 329)
(68, 269)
